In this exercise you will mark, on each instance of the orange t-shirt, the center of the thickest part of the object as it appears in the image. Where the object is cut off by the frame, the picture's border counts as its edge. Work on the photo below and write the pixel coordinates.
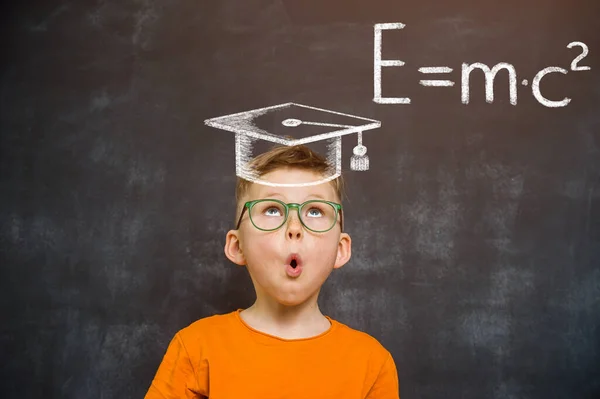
(222, 357)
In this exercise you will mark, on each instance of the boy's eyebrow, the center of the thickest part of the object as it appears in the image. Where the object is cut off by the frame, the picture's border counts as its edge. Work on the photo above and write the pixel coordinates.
(271, 195)
(314, 195)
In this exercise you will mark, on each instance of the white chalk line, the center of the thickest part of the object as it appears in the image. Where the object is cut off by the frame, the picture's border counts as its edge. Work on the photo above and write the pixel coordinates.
(443, 69)
(325, 124)
(378, 63)
(438, 83)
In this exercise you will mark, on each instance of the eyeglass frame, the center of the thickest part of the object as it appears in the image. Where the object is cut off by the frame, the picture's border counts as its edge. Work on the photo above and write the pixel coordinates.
(293, 205)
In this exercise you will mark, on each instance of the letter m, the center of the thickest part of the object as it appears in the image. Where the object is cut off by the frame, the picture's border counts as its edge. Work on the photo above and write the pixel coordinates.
(490, 75)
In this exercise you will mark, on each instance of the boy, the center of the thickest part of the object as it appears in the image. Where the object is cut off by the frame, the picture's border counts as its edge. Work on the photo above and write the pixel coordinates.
(282, 346)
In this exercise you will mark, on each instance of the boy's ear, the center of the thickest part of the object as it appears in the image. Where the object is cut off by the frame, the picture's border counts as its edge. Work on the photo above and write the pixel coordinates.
(232, 248)
(344, 251)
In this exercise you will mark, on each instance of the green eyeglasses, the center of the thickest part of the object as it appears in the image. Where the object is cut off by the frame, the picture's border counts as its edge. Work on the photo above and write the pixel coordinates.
(318, 216)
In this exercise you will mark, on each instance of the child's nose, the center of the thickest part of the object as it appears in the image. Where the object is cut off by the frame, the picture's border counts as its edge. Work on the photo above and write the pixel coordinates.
(294, 226)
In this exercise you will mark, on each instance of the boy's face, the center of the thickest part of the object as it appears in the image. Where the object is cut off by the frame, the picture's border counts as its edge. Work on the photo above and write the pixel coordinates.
(267, 253)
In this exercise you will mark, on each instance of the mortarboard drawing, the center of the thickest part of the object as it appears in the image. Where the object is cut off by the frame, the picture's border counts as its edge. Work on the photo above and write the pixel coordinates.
(293, 124)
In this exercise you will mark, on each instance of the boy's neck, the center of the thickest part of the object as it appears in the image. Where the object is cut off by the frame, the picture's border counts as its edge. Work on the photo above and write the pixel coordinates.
(288, 322)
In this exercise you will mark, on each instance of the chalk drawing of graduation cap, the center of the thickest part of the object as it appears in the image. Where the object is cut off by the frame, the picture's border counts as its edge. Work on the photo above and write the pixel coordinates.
(293, 124)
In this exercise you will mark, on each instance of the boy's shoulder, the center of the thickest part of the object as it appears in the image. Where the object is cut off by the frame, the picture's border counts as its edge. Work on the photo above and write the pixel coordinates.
(359, 339)
(210, 325)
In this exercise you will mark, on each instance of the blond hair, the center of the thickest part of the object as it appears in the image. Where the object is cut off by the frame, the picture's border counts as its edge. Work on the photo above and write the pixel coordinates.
(297, 156)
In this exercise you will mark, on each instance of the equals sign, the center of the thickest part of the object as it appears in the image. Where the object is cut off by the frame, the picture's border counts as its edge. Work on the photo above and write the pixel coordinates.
(442, 83)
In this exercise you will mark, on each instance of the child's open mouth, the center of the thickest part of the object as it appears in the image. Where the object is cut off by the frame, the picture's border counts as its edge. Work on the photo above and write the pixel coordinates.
(293, 265)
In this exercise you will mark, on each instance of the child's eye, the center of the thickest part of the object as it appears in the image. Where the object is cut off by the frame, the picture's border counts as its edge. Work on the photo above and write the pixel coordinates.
(314, 212)
(272, 212)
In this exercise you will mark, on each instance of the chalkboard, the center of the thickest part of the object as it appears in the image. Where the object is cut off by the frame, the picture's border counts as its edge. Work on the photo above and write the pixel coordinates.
(476, 229)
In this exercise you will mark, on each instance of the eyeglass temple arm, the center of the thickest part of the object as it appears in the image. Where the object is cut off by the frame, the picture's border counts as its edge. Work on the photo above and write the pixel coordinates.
(240, 219)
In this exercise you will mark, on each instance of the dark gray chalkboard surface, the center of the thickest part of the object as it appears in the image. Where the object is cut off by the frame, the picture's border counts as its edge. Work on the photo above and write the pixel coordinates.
(476, 231)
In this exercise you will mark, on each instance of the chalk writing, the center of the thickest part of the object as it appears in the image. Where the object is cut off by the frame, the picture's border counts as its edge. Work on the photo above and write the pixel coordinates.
(489, 74)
